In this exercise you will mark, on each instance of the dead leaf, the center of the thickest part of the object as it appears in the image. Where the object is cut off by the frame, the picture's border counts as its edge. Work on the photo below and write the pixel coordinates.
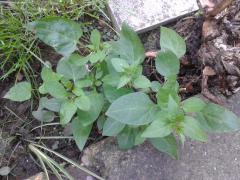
(210, 29)
(208, 71)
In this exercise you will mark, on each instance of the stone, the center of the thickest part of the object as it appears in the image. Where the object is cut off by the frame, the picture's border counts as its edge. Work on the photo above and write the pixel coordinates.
(144, 15)
(219, 159)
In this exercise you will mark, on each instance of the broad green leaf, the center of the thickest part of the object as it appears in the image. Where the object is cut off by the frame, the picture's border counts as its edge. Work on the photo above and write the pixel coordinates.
(193, 104)
(163, 97)
(215, 118)
(78, 90)
(111, 79)
(159, 127)
(67, 111)
(119, 64)
(112, 127)
(110, 69)
(129, 46)
(167, 63)
(69, 70)
(100, 122)
(141, 82)
(173, 107)
(47, 74)
(77, 60)
(170, 87)
(112, 93)
(170, 40)
(43, 115)
(95, 38)
(83, 83)
(80, 132)
(19, 92)
(123, 81)
(155, 86)
(60, 33)
(99, 73)
(167, 145)
(88, 117)
(126, 139)
(133, 109)
(171, 83)
(42, 89)
(137, 71)
(52, 104)
(98, 56)
(83, 103)
(192, 129)
(138, 138)
(56, 89)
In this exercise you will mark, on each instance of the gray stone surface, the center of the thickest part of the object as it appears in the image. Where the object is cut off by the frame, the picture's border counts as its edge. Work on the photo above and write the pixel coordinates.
(219, 159)
(144, 15)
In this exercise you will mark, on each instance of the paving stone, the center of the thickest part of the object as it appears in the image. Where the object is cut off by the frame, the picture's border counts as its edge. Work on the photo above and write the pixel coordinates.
(144, 15)
(219, 159)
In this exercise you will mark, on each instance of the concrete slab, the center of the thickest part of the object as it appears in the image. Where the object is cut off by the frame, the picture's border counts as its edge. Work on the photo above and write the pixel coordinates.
(219, 159)
(144, 15)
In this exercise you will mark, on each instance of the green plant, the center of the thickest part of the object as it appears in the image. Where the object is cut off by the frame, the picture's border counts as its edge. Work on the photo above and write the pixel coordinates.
(107, 86)
(18, 47)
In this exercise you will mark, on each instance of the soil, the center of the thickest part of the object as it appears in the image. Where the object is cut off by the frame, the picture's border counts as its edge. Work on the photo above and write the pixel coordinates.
(17, 122)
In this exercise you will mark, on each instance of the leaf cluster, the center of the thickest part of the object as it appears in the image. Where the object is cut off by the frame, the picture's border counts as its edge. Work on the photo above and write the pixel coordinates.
(108, 87)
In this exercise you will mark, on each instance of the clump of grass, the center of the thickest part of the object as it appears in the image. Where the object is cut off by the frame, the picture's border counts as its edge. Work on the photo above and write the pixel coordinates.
(16, 42)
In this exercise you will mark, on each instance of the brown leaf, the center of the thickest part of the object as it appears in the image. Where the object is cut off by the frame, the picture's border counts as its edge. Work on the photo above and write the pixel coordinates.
(208, 71)
(210, 29)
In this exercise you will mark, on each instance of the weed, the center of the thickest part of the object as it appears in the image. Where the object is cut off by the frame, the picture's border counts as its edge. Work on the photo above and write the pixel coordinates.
(108, 86)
